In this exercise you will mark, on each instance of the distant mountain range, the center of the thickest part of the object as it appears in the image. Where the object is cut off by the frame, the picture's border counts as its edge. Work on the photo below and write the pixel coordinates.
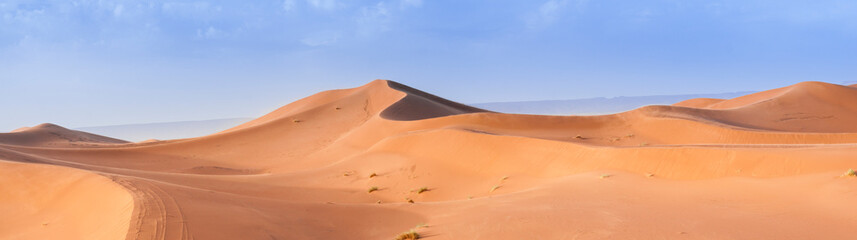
(595, 106)
(587, 106)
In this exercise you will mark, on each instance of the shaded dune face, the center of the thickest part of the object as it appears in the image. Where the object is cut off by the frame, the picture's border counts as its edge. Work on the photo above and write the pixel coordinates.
(381, 159)
(419, 105)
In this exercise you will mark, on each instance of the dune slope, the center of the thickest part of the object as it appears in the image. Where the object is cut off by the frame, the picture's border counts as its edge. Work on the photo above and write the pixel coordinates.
(51, 135)
(377, 160)
(50, 202)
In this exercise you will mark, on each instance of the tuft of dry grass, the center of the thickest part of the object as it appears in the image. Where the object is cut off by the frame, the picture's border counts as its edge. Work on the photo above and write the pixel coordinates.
(296, 120)
(850, 173)
(422, 189)
(504, 178)
(409, 200)
(337, 108)
(603, 176)
(409, 235)
(650, 174)
(372, 189)
(578, 136)
(373, 175)
(495, 187)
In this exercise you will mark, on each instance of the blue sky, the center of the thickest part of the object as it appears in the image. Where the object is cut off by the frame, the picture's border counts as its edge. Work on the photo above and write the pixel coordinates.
(85, 63)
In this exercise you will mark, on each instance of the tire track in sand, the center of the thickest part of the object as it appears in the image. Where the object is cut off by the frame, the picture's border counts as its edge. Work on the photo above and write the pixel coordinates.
(156, 215)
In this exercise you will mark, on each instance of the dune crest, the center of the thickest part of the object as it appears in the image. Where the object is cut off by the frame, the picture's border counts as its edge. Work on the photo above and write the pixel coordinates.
(804, 107)
(377, 160)
(419, 105)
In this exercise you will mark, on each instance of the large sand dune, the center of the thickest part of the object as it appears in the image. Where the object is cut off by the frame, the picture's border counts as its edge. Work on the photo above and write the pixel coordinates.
(381, 159)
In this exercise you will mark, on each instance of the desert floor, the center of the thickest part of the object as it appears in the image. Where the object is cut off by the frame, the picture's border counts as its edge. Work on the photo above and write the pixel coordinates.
(378, 160)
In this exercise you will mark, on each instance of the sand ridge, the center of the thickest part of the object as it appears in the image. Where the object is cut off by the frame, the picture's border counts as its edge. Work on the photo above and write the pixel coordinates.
(377, 160)
(52, 135)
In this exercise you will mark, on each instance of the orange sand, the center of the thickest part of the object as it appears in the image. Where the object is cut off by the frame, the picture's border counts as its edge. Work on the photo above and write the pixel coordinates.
(761, 166)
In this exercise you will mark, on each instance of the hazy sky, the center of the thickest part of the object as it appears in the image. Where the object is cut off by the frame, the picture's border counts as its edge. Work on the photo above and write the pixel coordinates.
(85, 63)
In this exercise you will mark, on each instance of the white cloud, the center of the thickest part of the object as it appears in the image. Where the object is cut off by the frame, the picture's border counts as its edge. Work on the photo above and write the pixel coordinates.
(410, 3)
(289, 5)
(323, 4)
(209, 33)
(373, 19)
(321, 38)
(194, 9)
(548, 13)
(642, 15)
(550, 9)
(25, 16)
(377, 11)
(117, 11)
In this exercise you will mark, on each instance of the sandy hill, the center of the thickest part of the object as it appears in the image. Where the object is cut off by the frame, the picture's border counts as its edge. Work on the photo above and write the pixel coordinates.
(47, 134)
(595, 106)
(803, 107)
(377, 160)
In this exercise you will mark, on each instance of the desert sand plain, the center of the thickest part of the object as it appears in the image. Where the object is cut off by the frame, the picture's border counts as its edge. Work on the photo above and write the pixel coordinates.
(383, 159)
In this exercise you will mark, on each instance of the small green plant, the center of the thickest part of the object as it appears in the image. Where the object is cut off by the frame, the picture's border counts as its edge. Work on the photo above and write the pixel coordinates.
(850, 173)
(422, 189)
(409, 235)
(372, 189)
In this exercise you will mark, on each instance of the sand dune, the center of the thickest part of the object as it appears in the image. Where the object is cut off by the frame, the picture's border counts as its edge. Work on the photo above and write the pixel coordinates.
(49, 202)
(803, 107)
(346, 164)
(50, 135)
(596, 106)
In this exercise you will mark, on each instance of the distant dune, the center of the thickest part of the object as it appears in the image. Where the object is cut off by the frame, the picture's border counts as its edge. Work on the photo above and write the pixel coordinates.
(589, 106)
(382, 159)
(165, 130)
(595, 106)
(50, 135)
